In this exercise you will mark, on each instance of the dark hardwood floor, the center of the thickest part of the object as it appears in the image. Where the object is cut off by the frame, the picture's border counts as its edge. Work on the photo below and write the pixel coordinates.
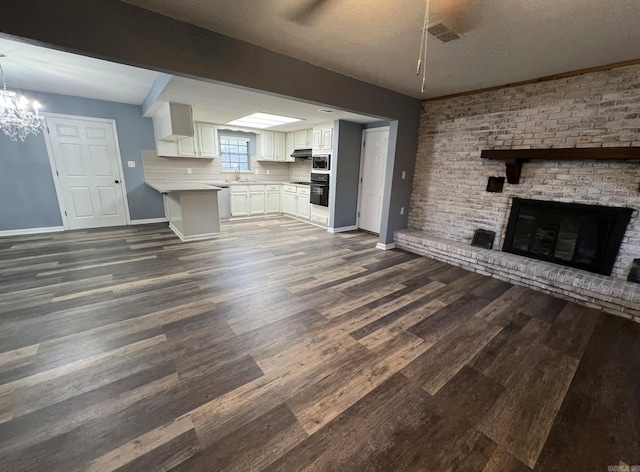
(282, 347)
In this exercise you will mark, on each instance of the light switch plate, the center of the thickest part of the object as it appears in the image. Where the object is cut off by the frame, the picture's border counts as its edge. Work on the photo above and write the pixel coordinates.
(404, 174)
(188, 170)
(131, 163)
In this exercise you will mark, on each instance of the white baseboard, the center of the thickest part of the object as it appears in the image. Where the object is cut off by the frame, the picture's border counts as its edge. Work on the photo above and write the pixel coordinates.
(342, 229)
(19, 232)
(149, 221)
(385, 247)
(199, 237)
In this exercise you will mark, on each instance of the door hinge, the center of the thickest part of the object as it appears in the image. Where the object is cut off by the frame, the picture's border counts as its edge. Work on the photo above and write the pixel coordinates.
(57, 174)
(364, 143)
(65, 213)
(358, 214)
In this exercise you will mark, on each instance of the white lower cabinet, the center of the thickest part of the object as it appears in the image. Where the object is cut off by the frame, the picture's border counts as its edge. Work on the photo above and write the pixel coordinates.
(289, 203)
(272, 199)
(250, 200)
(296, 201)
(256, 200)
(239, 200)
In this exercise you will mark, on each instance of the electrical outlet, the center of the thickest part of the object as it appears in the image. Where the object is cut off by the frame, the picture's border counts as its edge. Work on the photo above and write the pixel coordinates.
(404, 174)
(188, 170)
(402, 211)
(255, 171)
(131, 163)
(268, 171)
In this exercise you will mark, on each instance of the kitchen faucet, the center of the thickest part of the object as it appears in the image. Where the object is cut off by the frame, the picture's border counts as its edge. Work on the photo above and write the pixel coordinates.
(237, 176)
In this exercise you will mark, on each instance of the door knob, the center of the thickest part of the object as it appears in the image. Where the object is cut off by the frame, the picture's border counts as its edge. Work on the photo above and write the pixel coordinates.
(117, 181)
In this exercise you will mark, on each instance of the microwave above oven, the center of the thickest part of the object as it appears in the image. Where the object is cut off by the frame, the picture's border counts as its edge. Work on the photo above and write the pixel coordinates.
(321, 162)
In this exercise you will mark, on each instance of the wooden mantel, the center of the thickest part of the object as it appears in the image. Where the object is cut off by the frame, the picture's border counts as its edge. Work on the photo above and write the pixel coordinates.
(514, 158)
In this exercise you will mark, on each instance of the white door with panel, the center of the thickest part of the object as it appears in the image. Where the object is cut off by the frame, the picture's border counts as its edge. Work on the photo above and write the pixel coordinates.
(372, 172)
(86, 158)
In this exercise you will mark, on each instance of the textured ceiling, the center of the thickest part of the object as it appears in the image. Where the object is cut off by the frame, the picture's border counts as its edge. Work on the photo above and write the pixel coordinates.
(504, 41)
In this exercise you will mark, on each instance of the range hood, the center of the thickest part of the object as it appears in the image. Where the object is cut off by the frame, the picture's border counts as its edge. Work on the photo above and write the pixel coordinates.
(302, 154)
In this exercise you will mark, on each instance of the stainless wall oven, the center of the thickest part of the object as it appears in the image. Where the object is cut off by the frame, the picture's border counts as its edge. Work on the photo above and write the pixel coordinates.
(320, 189)
(321, 162)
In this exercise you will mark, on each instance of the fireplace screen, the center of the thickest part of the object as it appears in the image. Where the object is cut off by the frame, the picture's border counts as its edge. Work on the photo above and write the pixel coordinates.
(583, 236)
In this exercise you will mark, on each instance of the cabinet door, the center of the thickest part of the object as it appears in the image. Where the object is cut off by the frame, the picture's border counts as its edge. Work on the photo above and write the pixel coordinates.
(162, 122)
(317, 140)
(167, 149)
(256, 203)
(289, 147)
(273, 202)
(187, 147)
(239, 204)
(267, 145)
(289, 203)
(302, 206)
(207, 140)
(278, 147)
(300, 139)
(327, 139)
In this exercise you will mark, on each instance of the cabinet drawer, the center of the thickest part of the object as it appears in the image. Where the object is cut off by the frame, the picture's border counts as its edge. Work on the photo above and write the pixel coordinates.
(273, 187)
(239, 188)
(323, 220)
(304, 191)
(256, 188)
(290, 188)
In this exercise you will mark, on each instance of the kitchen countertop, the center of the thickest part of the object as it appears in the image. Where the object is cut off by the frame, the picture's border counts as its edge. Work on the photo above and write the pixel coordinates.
(166, 187)
(182, 186)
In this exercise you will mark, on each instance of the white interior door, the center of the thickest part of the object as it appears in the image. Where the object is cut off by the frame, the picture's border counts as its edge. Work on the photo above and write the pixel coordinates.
(87, 163)
(372, 172)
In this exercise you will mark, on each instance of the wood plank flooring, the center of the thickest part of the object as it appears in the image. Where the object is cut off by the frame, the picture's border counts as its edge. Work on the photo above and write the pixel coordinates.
(282, 347)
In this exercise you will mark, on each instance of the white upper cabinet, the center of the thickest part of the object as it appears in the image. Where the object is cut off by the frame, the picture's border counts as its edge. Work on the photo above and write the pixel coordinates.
(279, 153)
(326, 140)
(268, 141)
(273, 147)
(289, 147)
(207, 134)
(173, 122)
(322, 140)
(302, 139)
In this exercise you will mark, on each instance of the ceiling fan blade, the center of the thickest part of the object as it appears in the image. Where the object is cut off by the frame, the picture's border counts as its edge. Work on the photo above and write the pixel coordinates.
(307, 11)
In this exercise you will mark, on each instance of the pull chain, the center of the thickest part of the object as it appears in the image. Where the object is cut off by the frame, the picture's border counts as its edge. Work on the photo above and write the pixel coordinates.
(422, 56)
(4, 82)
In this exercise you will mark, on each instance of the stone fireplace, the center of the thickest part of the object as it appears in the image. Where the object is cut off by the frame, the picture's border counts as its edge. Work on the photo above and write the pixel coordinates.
(450, 200)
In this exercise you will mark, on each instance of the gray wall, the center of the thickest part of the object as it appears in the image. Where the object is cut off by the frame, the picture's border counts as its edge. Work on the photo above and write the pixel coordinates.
(27, 193)
(345, 165)
(150, 40)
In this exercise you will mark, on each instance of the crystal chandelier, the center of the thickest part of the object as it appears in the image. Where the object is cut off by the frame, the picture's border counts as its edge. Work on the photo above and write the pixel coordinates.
(18, 117)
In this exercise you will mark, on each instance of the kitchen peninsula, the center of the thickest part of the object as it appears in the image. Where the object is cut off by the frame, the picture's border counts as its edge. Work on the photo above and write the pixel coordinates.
(191, 208)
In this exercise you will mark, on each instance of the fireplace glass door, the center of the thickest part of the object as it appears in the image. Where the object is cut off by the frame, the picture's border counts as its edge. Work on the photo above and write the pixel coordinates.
(582, 236)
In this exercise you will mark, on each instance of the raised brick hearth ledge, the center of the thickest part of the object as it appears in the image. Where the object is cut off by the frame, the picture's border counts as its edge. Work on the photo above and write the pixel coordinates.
(615, 296)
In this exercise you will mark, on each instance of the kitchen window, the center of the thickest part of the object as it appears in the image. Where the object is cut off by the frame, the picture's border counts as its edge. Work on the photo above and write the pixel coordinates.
(236, 153)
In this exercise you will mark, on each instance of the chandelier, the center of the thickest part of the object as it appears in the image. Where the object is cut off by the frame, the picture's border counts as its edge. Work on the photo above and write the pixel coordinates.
(18, 117)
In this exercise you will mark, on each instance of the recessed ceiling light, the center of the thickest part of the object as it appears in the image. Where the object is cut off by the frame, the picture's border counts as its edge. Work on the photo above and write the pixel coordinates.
(326, 110)
(262, 120)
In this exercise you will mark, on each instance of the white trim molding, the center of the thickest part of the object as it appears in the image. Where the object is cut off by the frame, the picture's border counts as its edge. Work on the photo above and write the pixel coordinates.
(386, 247)
(342, 229)
(20, 232)
(149, 221)
(199, 237)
